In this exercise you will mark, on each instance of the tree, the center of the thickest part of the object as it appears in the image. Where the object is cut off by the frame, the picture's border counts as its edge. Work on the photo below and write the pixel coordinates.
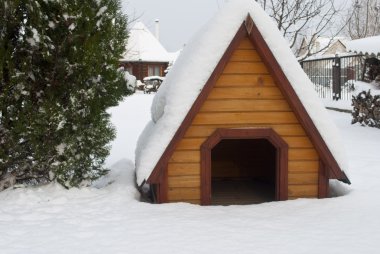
(363, 19)
(299, 19)
(59, 74)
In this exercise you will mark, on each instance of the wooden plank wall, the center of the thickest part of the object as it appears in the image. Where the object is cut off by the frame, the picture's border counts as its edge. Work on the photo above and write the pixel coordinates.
(245, 95)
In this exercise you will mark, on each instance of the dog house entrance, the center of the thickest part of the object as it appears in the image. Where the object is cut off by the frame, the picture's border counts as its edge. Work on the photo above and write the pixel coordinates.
(243, 171)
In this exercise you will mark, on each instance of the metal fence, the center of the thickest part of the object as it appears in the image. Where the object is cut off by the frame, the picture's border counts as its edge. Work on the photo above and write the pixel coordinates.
(334, 77)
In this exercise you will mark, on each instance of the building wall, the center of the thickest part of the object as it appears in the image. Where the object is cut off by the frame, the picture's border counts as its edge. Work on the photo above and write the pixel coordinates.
(336, 48)
(140, 69)
(245, 95)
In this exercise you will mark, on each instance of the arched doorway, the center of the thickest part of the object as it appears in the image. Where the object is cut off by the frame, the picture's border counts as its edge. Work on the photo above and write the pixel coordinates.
(243, 166)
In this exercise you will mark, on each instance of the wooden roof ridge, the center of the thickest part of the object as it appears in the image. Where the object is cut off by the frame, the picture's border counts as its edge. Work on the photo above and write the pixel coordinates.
(249, 28)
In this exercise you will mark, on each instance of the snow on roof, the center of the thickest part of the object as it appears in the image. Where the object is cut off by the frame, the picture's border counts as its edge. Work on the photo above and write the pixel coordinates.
(193, 68)
(367, 46)
(322, 44)
(143, 45)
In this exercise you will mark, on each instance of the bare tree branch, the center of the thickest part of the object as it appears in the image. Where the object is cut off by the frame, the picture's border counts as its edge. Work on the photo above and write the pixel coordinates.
(362, 19)
(297, 19)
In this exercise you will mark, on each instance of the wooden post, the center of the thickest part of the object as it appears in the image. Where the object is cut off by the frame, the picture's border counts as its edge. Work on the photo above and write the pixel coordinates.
(336, 78)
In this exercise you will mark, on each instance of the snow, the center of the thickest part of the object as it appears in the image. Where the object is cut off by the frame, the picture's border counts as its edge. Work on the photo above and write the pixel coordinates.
(194, 66)
(130, 117)
(346, 104)
(368, 46)
(101, 11)
(34, 39)
(322, 44)
(108, 218)
(143, 46)
(153, 78)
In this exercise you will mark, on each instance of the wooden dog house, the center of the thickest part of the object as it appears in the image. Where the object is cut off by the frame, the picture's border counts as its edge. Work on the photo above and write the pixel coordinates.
(246, 136)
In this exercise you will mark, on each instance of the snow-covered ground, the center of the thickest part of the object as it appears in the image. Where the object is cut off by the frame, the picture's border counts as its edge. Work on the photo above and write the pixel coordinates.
(108, 218)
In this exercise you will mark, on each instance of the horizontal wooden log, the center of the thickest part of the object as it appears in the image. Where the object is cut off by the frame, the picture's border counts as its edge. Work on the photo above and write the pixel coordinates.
(184, 181)
(186, 156)
(179, 194)
(303, 178)
(183, 169)
(245, 55)
(190, 143)
(301, 191)
(245, 118)
(298, 142)
(247, 80)
(283, 130)
(246, 44)
(245, 68)
(303, 166)
(302, 154)
(252, 93)
(244, 105)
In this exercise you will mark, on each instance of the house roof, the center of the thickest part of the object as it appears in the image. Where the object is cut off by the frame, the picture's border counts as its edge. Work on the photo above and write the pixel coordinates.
(193, 69)
(321, 46)
(143, 46)
(366, 46)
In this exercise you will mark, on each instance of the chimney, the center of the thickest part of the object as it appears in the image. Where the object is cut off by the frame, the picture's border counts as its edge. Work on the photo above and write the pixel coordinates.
(157, 29)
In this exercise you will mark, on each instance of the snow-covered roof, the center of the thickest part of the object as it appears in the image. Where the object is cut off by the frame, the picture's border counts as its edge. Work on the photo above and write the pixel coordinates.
(321, 46)
(367, 46)
(143, 45)
(193, 68)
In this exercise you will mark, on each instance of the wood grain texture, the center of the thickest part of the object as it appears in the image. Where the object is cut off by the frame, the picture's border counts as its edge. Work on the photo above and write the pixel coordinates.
(246, 80)
(245, 55)
(184, 181)
(245, 105)
(245, 44)
(303, 166)
(300, 154)
(298, 142)
(300, 191)
(245, 118)
(303, 178)
(246, 68)
(190, 144)
(179, 194)
(283, 130)
(258, 93)
(181, 169)
(185, 156)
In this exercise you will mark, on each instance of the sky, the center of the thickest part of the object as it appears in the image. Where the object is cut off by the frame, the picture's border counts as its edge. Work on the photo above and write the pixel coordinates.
(179, 19)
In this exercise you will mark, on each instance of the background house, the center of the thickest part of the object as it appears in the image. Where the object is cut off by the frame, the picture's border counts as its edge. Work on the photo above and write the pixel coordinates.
(144, 55)
(321, 47)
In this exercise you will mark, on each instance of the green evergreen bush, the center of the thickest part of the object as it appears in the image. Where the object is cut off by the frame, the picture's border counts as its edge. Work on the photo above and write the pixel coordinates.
(58, 75)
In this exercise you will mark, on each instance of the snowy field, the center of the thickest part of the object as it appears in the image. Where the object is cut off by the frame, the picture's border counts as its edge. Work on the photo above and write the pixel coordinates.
(108, 218)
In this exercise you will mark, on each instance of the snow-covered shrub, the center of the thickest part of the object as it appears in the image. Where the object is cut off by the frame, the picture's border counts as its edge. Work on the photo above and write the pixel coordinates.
(131, 81)
(58, 75)
(366, 109)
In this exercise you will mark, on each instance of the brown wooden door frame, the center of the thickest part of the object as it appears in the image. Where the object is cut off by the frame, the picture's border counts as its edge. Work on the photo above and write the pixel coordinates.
(245, 133)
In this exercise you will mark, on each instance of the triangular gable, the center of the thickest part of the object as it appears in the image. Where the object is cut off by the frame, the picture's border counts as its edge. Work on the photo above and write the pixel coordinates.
(248, 28)
(197, 66)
